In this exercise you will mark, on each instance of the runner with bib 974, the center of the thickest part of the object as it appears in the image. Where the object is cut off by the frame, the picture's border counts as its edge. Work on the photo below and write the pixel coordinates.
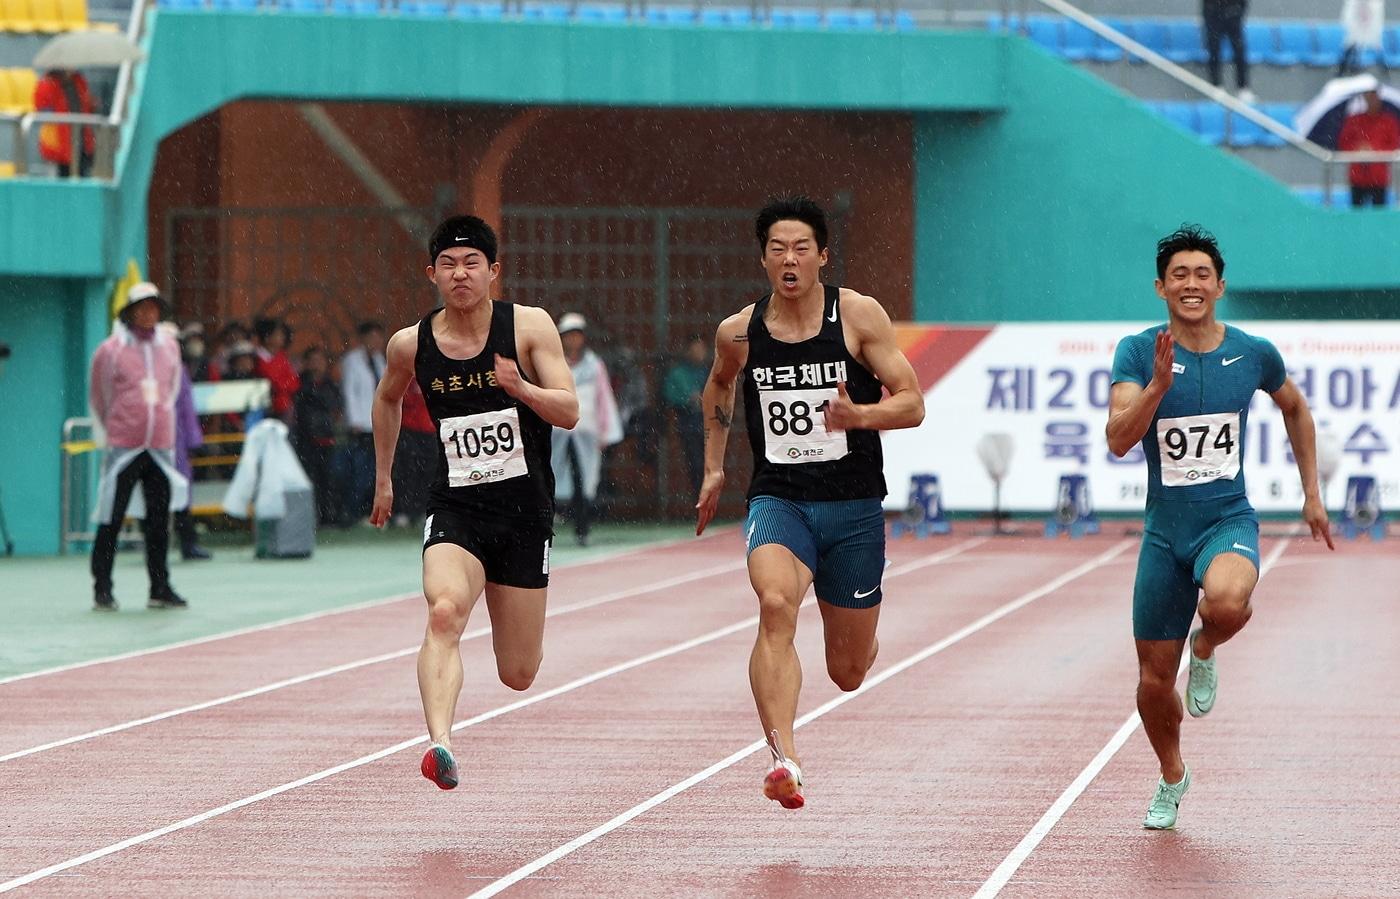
(495, 381)
(1184, 392)
(814, 359)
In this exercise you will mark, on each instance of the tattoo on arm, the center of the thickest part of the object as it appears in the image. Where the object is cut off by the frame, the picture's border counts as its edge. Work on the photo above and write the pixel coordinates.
(741, 338)
(724, 418)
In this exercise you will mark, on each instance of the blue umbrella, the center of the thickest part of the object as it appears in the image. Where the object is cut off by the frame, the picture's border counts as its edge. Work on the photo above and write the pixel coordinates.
(1320, 120)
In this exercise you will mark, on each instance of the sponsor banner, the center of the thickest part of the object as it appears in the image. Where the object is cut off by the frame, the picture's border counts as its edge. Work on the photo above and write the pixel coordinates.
(1048, 385)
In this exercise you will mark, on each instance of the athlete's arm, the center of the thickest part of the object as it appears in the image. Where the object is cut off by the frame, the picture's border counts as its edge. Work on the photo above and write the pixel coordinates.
(1298, 420)
(717, 405)
(551, 395)
(387, 416)
(1131, 406)
(876, 348)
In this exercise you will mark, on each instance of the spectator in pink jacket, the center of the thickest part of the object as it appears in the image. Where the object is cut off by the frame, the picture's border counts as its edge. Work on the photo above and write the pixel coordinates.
(135, 380)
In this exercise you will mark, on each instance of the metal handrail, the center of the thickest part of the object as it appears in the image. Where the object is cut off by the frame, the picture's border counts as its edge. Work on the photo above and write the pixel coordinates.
(1328, 157)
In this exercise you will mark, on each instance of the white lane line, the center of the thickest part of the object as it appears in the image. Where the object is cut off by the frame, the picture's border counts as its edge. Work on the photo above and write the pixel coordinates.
(372, 660)
(399, 747)
(676, 789)
(323, 613)
(1017, 856)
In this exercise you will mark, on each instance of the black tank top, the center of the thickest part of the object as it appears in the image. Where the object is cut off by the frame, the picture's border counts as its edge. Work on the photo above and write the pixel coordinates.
(493, 451)
(785, 387)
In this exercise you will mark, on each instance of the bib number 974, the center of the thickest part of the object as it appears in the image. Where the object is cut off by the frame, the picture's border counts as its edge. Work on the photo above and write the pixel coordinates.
(1198, 449)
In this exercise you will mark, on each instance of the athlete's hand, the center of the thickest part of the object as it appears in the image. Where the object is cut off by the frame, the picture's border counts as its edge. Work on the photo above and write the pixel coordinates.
(1315, 514)
(1163, 359)
(705, 506)
(840, 414)
(383, 503)
(508, 376)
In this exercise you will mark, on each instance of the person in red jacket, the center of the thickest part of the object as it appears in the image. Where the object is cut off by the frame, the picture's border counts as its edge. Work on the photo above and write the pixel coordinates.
(63, 91)
(1375, 129)
(273, 337)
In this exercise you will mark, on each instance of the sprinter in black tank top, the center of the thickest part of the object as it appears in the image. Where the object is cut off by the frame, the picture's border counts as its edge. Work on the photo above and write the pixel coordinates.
(496, 384)
(815, 361)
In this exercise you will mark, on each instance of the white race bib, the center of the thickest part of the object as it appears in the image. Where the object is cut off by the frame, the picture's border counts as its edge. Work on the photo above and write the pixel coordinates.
(1198, 449)
(794, 429)
(483, 448)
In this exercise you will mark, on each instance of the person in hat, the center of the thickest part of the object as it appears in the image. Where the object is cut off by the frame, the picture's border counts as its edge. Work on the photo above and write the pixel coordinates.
(188, 436)
(133, 385)
(493, 377)
(61, 90)
(577, 455)
(1374, 128)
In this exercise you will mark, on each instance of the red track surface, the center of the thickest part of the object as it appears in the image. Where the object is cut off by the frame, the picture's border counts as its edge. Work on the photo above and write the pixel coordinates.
(920, 786)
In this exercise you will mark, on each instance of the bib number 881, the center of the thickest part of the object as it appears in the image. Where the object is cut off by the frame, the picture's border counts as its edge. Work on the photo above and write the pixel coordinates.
(793, 419)
(471, 443)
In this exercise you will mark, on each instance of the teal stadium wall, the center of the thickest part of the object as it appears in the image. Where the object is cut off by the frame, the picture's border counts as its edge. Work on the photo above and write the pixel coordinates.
(1039, 190)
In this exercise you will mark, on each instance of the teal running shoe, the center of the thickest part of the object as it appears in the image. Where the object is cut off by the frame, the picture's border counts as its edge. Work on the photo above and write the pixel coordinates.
(1161, 813)
(1200, 681)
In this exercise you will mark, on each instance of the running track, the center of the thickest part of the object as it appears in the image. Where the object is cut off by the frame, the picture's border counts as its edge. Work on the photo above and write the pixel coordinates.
(979, 758)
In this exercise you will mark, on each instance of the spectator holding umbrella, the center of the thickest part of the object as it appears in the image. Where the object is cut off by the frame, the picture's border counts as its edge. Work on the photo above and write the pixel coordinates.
(1374, 128)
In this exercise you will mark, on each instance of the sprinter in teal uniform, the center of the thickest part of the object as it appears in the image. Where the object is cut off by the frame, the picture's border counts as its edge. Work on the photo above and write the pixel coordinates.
(1183, 391)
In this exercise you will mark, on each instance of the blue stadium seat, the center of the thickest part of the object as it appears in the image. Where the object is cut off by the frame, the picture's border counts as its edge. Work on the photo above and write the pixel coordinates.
(236, 5)
(1245, 132)
(601, 12)
(425, 9)
(1151, 33)
(1283, 113)
(795, 17)
(725, 16)
(1105, 50)
(545, 12)
(1078, 41)
(302, 6)
(996, 23)
(1295, 44)
(1184, 43)
(1260, 42)
(1328, 46)
(1210, 122)
(478, 12)
(851, 19)
(1391, 43)
(1309, 194)
(1341, 196)
(1182, 115)
(904, 20)
(1046, 32)
(355, 7)
(671, 15)
(181, 4)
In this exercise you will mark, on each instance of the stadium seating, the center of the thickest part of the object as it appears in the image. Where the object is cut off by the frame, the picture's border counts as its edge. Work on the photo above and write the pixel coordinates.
(601, 12)
(17, 90)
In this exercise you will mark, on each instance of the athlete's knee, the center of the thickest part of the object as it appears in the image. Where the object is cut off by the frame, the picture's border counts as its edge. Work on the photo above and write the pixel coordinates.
(1154, 682)
(518, 675)
(447, 613)
(777, 614)
(847, 674)
(1227, 606)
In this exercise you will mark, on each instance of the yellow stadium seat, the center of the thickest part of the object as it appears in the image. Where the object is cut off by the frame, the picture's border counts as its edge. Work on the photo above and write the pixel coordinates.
(22, 84)
(7, 170)
(46, 16)
(10, 100)
(15, 16)
(73, 14)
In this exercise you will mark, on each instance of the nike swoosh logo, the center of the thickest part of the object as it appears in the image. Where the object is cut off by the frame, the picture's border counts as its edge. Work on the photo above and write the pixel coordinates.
(832, 317)
(1231, 361)
(749, 537)
(860, 595)
(1243, 547)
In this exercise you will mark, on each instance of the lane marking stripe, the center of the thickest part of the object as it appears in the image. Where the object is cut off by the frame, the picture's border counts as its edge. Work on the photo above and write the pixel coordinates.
(676, 789)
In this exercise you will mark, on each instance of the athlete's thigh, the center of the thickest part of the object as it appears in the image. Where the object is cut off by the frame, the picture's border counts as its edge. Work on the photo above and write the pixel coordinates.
(517, 620)
(452, 559)
(1164, 593)
(782, 552)
(851, 543)
(850, 633)
(1228, 560)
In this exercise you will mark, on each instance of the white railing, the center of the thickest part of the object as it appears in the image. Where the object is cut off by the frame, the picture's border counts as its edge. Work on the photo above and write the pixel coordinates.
(1329, 158)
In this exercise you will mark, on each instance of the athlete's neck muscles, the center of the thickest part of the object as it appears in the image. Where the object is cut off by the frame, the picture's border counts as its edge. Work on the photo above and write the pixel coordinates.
(1198, 337)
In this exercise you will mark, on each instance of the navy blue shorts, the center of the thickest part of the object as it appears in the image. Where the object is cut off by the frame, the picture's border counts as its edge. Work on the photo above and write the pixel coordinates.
(1179, 541)
(842, 543)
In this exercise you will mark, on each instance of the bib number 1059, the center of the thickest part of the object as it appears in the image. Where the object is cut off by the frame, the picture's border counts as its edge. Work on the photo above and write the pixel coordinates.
(482, 448)
(1198, 449)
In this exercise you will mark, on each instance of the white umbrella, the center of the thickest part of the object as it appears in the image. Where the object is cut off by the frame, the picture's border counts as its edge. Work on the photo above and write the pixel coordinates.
(1320, 119)
(87, 49)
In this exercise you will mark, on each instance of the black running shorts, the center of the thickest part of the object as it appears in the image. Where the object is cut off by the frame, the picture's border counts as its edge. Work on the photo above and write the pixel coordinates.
(514, 554)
